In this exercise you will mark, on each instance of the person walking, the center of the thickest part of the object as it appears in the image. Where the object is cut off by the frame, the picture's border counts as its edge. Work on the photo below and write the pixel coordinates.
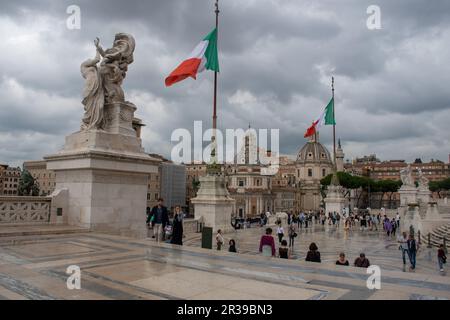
(292, 234)
(342, 261)
(283, 251)
(160, 219)
(219, 240)
(412, 251)
(442, 258)
(313, 254)
(394, 227)
(397, 220)
(338, 220)
(267, 244)
(362, 261)
(388, 227)
(403, 240)
(177, 231)
(232, 246)
(280, 232)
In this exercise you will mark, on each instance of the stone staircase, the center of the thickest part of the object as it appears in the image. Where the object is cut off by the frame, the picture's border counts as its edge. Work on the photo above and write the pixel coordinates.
(437, 235)
(17, 234)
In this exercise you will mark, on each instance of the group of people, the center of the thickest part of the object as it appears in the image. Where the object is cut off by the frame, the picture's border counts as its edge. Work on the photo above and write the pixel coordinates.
(267, 248)
(158, 220)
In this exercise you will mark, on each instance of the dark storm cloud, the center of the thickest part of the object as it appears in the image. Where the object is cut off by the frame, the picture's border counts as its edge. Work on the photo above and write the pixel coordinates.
(276, 61)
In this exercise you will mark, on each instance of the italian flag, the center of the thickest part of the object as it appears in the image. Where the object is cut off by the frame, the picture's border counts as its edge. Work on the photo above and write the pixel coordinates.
(326, 117)
(204, 56)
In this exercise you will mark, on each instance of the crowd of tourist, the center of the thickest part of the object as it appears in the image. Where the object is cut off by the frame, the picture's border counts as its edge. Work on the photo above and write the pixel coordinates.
(164, 229)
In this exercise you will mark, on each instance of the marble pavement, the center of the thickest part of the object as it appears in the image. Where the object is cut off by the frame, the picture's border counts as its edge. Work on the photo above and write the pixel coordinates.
(114, 267)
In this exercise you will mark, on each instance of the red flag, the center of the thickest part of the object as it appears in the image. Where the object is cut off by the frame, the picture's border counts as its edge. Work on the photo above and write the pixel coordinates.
(311, 130)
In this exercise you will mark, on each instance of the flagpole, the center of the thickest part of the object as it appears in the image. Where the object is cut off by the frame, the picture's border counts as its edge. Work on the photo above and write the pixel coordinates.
(214, 124)
(334, 123)
(215, 72)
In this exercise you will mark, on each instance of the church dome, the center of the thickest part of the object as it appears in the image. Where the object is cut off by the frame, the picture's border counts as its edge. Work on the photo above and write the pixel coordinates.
(314, 152)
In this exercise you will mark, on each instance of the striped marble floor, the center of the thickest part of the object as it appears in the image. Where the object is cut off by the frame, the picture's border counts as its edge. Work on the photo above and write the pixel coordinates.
(114, 267)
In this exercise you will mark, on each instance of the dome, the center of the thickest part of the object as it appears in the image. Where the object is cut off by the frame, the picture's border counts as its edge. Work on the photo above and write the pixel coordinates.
(314, 152)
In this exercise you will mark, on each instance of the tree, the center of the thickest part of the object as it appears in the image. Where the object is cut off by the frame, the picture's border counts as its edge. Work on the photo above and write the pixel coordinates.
(28, 186)
(439, 186)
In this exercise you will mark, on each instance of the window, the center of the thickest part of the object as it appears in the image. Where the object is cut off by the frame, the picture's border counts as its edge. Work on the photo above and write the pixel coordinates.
(148, 196)
(310, 173)
(156, 196)
(324, 172)
(241, 183)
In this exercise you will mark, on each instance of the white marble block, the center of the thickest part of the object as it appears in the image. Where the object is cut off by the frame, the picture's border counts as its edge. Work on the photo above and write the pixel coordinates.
(334, 200)
(213, 204)
(106, 175)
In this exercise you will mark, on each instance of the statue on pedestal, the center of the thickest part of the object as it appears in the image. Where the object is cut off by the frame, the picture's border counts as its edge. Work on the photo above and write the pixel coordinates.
(104, 82)
(406, 176)
(423, 181)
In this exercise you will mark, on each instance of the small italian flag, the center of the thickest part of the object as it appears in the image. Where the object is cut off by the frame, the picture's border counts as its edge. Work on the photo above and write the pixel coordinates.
(204, 56)
(325, 118)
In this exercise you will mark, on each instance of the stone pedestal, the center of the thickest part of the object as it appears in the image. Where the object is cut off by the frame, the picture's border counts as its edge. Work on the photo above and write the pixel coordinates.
(423, 197)
(213, 203)
(106, 175)
(408, 194)
(334, 201)
(411, 218)
(432, 219)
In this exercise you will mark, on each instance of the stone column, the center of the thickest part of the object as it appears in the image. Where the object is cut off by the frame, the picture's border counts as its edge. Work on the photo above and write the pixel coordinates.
(106, 175)
(213, 203)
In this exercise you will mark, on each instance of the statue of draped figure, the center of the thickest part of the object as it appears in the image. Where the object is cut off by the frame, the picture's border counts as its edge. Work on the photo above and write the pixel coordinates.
(103, 83)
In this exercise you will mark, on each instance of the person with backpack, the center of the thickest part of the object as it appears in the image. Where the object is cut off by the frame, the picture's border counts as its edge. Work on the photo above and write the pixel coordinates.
(292, 234)
(403, 240)
(442, 258)
(160, 217)
(412, 251)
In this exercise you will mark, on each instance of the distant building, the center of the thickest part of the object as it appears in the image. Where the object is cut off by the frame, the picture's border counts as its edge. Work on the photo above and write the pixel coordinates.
(9, 179)
(313, 163)
(45, 178)
(173, 184)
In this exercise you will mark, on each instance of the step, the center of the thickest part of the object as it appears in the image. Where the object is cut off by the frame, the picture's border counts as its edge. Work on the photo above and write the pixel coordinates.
(19, 231)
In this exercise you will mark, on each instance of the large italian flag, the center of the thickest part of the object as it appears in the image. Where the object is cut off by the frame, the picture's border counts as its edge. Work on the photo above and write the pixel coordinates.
(204, 56)
(326, 117)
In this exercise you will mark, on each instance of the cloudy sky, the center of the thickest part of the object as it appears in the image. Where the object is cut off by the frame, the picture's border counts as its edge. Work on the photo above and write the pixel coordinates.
(276, 59)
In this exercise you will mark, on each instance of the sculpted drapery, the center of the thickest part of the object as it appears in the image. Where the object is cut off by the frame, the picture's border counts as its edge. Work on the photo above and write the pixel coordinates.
(104, 82)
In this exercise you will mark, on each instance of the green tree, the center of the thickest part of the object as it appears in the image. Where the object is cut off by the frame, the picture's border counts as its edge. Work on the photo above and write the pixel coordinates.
(28, 186)
(439, 186)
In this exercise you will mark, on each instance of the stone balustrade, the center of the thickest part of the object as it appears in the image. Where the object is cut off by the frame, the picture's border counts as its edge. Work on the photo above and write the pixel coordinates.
(24, 210)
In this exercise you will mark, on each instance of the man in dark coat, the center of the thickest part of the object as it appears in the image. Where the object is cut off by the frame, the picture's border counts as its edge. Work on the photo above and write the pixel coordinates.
(160, 219)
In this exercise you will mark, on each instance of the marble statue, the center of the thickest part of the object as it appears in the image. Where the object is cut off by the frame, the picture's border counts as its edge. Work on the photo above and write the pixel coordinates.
(93, 95)
(423, 181)
(406, 176)
(104, 81)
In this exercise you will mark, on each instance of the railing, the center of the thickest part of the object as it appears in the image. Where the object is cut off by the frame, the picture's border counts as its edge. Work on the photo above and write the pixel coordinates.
(18, 210)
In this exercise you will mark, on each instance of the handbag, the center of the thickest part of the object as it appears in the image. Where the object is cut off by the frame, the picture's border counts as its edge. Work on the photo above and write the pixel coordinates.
(295, 234)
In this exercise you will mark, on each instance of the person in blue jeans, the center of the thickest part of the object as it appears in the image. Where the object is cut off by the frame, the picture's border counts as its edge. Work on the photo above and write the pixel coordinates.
(412, 251)
(403, 240)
